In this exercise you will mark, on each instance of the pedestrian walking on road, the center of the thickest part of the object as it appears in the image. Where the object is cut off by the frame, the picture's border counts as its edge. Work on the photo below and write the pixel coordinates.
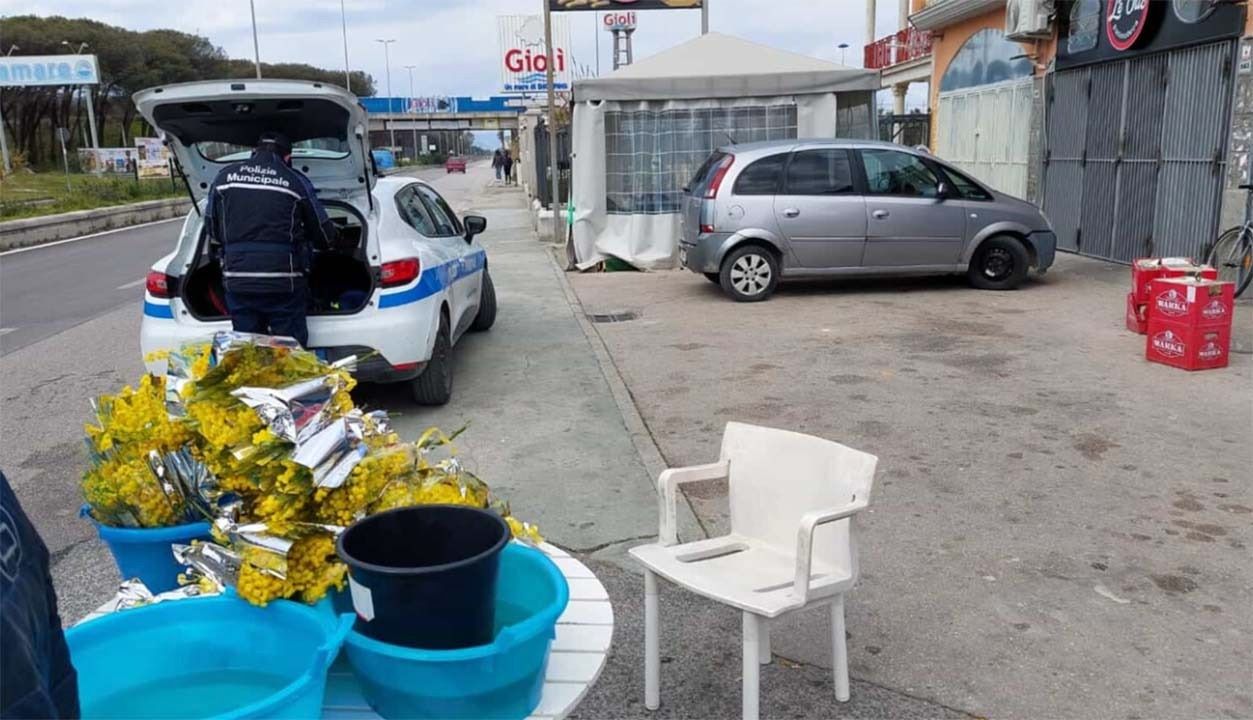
(508, 162)
(266, 218)
(498, 163)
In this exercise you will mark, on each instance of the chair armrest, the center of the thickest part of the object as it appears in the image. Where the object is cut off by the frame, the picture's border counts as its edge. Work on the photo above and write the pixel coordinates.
(805, 541)
(667, 487)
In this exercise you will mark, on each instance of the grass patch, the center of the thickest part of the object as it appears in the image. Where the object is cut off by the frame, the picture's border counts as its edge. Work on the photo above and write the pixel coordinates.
(24, 195)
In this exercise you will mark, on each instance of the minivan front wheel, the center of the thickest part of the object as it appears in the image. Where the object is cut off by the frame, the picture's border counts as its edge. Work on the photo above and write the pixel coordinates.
(1000, 263)
(749, 274)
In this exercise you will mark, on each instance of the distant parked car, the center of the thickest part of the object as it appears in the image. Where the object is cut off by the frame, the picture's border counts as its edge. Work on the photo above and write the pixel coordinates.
(455, 163)
(758, 212)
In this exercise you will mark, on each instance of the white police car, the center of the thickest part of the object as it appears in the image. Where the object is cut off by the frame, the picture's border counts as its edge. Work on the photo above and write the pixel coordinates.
(407, 279)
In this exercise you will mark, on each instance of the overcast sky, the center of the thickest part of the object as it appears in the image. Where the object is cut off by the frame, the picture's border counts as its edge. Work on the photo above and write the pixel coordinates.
(453, 43)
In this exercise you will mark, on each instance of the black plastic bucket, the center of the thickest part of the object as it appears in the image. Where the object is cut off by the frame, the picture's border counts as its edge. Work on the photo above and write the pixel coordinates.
(425, 576)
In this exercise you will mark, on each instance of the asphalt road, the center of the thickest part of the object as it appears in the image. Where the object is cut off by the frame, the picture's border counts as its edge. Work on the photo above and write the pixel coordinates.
(48, 289)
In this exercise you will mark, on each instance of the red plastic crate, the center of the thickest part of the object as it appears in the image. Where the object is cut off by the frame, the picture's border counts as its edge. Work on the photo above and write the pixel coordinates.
(1137, 315)
(1146, 270)
(1196, 302)
(1183, 346)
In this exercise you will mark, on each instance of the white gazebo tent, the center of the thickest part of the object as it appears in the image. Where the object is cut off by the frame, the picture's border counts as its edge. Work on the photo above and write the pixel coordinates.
(642, 131)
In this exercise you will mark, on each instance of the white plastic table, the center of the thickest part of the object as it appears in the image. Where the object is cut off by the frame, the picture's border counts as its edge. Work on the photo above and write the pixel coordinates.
(584, 634)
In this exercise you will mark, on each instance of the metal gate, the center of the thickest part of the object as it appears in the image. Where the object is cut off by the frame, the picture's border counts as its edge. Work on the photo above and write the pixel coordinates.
(910, 130)
(543, 177)
(1136, 153)
(986, 131)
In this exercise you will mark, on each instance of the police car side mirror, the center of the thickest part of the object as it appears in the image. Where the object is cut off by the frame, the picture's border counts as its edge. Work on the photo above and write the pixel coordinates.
(474, 225)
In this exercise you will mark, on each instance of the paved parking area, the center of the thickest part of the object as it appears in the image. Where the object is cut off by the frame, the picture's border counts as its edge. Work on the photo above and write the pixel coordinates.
(1058, 528)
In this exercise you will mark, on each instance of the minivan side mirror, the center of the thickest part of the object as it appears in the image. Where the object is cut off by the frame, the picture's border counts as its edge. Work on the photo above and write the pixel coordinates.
(943, 191)
(474, 225)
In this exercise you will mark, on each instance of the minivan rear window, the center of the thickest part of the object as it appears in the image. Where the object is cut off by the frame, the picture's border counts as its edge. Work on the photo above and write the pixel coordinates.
(762, 177)
(700, 180)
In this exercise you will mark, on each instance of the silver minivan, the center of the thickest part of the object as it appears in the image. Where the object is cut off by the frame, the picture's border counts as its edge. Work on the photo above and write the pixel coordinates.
(758, 212)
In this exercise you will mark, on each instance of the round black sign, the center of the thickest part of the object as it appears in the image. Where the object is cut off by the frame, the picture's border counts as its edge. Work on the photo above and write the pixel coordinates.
(1125, 21)
(1193, 11)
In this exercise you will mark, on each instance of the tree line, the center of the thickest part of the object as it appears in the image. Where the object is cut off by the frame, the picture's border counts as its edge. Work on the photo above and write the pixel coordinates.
(129, 61)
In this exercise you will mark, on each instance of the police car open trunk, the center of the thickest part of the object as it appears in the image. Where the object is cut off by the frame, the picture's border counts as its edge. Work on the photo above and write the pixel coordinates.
(211, 124)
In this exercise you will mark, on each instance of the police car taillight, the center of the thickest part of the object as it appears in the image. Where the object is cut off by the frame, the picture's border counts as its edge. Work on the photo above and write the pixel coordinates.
(399, 272)
(158, 284)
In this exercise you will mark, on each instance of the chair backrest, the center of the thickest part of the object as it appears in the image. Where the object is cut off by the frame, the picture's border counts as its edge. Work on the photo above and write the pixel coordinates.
(777, 476)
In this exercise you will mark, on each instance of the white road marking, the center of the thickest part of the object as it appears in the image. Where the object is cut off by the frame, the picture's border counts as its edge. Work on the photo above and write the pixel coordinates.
(87, 237)
(6, 331)
(130, 285)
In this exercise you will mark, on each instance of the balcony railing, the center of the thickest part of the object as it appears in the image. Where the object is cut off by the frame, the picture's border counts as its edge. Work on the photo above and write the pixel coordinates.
(897, 48)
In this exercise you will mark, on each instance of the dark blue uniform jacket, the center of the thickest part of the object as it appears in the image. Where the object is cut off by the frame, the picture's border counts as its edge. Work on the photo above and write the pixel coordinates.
(267, 219)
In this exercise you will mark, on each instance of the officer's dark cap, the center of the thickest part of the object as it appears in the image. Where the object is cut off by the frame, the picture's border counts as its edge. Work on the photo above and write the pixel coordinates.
(275, 142)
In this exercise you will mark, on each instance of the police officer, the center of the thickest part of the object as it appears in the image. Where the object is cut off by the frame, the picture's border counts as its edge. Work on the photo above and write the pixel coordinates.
(37, 679)
(266, 219)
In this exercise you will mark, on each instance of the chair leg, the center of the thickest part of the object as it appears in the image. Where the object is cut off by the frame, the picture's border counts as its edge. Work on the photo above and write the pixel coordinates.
(839, 650)
(763, 641)
(652, 647)
(752, 667)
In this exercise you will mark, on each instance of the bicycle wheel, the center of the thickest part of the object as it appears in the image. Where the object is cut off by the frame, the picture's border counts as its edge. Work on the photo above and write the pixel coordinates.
(1232, 256)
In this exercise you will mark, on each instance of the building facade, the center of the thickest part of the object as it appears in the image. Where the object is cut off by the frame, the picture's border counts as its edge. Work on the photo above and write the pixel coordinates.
(1129, 122)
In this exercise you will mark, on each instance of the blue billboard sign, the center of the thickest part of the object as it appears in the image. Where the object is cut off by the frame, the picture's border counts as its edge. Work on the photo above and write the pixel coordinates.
(32, 70)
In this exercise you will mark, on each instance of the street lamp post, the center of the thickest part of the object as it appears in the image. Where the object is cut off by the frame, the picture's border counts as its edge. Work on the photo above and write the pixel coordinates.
(256, 46)
(91, 110)
(343, 21)
(413, 111)
(387, 59)
(843, 49)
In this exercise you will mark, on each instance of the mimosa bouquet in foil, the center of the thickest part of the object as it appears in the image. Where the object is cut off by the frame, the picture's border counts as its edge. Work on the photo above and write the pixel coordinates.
(263, 440)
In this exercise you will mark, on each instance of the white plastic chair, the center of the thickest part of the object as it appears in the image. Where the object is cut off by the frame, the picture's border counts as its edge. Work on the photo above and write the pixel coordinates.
(791, 544)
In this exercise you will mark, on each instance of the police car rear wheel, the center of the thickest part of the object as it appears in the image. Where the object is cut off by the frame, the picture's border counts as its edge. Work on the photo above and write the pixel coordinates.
(434, 385)
(486, 316)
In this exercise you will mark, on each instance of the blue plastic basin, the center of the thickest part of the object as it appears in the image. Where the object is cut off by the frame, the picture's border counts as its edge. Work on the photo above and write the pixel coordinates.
(145, 553)
(502, 679)
(212, 657)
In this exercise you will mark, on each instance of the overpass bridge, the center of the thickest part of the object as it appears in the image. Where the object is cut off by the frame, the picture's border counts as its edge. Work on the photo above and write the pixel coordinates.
(442, 113)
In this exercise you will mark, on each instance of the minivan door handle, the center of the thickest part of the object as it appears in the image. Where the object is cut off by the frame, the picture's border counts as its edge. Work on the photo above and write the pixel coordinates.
(879, 214)
(791, 212)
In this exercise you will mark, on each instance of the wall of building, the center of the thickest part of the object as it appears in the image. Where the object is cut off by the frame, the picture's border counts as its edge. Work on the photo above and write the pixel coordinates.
(949, 40)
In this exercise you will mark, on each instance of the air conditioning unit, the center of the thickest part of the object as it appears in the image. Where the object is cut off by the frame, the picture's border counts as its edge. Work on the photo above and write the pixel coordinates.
(1029, 19)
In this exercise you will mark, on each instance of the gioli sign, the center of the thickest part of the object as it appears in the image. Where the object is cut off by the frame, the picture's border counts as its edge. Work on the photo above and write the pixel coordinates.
(1125, 21)
(619, 20)
(524, 56)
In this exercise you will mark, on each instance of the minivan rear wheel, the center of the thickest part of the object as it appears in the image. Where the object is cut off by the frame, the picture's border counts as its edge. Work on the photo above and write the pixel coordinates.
(1000, 263)
(749, 274)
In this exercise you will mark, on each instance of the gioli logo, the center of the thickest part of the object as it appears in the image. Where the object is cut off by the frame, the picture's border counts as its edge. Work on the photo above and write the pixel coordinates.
(1172, 302)
(1211, 351)
(1169, 344)
(1216, 309)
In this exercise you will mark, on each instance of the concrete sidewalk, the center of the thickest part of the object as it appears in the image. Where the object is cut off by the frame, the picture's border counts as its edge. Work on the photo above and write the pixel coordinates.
(544, 430)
